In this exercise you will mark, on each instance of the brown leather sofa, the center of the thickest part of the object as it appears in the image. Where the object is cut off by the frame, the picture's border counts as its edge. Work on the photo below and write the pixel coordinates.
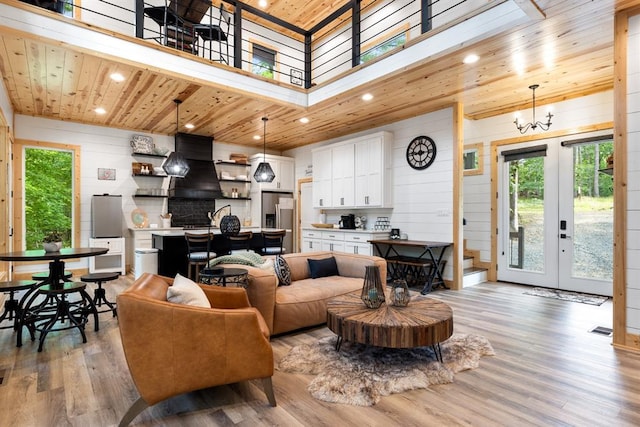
(304, 302)
(175, 348)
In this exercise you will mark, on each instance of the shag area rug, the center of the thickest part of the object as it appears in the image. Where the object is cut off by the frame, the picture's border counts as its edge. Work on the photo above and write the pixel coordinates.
(360, 374)
(567, 295)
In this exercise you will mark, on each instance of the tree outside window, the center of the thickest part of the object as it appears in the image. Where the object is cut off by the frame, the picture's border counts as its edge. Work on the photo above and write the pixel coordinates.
(48, 187)
(263, 61)
(383, 47)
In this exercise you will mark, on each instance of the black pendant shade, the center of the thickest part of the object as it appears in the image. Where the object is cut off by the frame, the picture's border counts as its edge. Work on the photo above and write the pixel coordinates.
(229, 225)
(176, 165)
(264, 173)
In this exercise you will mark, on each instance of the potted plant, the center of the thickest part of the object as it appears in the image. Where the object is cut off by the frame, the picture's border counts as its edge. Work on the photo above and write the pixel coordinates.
(52, 241)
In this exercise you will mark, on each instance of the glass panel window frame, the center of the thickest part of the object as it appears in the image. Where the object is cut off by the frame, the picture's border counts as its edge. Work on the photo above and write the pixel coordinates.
(385, 43)
(264, 60)
(19, 190)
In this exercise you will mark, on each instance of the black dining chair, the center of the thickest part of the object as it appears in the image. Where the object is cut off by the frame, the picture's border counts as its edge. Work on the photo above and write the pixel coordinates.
(199, 252)
(273, 242)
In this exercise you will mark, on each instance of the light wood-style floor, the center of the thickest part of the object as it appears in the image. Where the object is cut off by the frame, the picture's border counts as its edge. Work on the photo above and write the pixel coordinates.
(549, 370)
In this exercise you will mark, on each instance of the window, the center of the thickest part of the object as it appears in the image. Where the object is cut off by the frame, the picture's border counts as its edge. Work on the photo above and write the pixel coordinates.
(384, 47)
(263, 61)
(50, 188)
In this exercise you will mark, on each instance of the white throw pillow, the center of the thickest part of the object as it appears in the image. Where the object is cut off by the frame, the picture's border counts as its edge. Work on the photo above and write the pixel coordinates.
(186, 291)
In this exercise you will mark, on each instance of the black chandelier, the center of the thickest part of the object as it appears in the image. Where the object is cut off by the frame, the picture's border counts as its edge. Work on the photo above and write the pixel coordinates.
(176, 165)
(534, 124)
(264, 173)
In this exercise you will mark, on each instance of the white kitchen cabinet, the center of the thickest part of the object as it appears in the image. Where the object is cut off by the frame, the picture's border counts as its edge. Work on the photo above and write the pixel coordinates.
(322, 184)
(283, 167)
(333, 241)
(354, 174)
(311, 241)
(112, 261)
(342, 176)
(340, 240)
(373, 184)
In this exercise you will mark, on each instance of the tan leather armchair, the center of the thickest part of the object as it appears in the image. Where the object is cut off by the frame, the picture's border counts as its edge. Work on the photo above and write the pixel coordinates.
(174, 348)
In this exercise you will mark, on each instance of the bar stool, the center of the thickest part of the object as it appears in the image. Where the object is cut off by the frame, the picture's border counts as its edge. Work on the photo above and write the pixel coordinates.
(241, 242)
(12, 309)
(43, 318)
(99, 294)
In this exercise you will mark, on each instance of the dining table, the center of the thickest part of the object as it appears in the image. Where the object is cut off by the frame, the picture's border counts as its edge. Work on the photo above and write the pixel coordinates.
(56, 307)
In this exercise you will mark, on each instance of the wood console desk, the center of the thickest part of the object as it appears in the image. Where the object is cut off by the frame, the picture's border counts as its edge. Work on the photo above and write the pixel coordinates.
(416, 269)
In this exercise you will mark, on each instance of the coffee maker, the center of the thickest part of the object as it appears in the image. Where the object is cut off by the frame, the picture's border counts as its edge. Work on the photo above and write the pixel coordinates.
(348, 222)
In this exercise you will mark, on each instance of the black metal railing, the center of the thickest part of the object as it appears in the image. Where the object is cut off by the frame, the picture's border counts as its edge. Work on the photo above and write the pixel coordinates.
(278, 50)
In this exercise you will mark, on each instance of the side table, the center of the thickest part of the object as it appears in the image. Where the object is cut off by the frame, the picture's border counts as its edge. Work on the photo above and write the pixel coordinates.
(221, 276)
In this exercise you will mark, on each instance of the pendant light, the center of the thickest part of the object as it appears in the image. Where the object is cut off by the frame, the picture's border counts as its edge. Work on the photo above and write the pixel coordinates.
(533, 125)
(264, 173)
(176, 165)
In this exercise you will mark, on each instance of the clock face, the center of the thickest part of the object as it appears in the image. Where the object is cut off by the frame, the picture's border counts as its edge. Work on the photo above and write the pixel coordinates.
(421, 152)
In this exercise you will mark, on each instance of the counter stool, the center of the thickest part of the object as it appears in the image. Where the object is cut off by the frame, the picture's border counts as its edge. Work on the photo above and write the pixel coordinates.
(12, 309)
(99, 295)
(43, 318)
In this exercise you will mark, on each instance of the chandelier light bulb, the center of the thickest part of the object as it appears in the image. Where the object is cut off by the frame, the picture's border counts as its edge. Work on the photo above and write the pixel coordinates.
(523, 128)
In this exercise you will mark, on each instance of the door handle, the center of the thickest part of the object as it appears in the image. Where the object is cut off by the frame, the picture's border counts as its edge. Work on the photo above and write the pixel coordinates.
(564, 236)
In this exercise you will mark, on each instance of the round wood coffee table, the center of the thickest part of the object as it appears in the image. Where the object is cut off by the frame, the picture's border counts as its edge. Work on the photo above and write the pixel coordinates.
(424, 322)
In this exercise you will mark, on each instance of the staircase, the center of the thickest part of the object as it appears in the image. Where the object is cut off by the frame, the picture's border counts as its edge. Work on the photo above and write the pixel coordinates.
(472, 275)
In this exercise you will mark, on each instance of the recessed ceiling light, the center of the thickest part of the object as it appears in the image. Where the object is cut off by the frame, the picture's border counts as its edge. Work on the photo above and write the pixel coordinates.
(470, 59)
(189, 126)
(304, 120)
(100, 110)
(256, 137)
(367, 97)
(262, 3)
(117, 77)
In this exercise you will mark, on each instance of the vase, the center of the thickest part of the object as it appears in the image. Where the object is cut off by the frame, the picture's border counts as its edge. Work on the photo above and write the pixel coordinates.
(51, 246)
(400, 293)
(372, 291)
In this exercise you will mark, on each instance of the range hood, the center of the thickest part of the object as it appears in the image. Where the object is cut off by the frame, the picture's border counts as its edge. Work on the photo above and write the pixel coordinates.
(202, 180)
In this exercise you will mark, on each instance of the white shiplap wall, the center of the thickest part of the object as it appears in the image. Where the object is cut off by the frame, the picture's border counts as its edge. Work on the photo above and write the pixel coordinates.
(588, 110)
(422, 200)
(633, 177)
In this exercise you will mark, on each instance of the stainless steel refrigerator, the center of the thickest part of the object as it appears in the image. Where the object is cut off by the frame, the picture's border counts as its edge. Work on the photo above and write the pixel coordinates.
(277, 212)
(106, 216)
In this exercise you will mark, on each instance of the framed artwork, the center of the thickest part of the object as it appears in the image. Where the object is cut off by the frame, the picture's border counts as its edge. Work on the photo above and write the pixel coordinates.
(142, 144)
(106, 174)
(296, 76)
(472, 159)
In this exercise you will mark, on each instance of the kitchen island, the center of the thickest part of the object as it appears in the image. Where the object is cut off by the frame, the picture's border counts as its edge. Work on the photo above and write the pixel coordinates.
(172, 247)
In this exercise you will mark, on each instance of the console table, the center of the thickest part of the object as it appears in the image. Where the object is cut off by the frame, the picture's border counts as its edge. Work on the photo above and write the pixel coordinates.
(421, 268)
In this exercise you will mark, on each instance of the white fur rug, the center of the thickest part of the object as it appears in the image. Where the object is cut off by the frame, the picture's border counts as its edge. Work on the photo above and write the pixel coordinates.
(361, 375)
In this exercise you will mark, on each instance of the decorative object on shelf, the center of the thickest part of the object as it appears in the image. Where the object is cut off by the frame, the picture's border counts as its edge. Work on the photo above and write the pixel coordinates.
(176, 165)
(382, 223)
(160, 151)
(139, 168)
(241, 159)
(421, 152)
(139, 218)
(264, 172)
(400, 295)
(52, 242)
(142, 144)
(229, 224)
(322, 225)
(533, 124)
(166, 220)
(295, 77)
(395, 234)
(106, 174)
(372, 292)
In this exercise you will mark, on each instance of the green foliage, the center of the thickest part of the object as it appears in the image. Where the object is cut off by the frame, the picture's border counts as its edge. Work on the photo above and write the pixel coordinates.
(383, 47)
(48, 195)
(53, 236)
(262, 68)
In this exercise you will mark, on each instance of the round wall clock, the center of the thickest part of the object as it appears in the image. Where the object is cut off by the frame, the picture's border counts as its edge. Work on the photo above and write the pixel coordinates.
(421, 152)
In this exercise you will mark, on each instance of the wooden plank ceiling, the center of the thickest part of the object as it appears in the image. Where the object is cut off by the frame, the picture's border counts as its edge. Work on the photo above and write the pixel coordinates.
(569, 54)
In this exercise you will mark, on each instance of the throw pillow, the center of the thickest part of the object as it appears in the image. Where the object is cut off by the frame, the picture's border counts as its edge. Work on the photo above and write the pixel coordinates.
(323, 267)
(186, 291)
(282, 271)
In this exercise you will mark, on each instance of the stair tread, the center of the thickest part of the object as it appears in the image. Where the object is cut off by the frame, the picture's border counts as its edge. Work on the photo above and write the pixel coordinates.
(472, 270)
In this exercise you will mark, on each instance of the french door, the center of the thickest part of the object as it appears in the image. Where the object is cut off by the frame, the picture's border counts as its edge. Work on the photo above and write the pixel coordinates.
(556, 214)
